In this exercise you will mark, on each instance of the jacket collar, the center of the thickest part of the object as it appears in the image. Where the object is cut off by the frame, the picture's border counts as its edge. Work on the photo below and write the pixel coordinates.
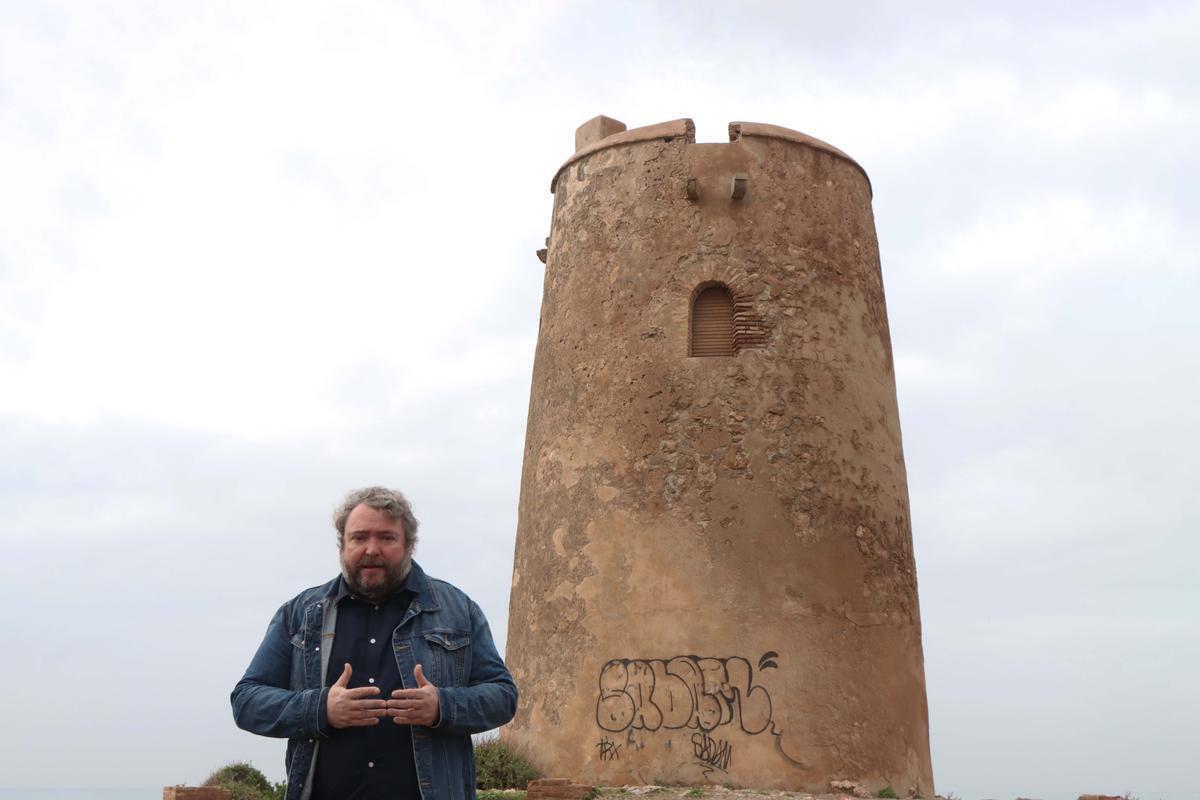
(417, 581)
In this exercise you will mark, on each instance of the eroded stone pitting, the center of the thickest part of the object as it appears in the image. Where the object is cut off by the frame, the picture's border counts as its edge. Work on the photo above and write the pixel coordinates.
(715, 555)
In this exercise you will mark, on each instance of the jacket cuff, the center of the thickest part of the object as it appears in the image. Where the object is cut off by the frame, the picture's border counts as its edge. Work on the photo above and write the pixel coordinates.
(445, 713)
(320, 716)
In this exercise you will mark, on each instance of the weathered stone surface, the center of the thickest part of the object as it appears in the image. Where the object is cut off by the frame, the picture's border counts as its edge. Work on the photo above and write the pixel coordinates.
(714, 579)
(195, 793)
(849, 787)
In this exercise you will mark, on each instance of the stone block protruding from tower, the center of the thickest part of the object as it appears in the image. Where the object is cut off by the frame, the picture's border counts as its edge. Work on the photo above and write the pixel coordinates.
(595, 129)
(714, 578)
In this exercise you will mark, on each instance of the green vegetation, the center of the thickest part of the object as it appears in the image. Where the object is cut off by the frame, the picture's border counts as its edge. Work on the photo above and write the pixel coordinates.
(694, 793)
(499, 794)
(498, 766)
(887, 792)
(245, 782)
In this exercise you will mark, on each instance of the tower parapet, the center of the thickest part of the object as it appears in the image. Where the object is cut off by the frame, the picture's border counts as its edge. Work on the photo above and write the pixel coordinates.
(714, 579)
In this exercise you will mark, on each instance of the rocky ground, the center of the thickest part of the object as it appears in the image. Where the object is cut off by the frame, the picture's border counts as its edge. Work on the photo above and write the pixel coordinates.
(720, 793)
(653, 792)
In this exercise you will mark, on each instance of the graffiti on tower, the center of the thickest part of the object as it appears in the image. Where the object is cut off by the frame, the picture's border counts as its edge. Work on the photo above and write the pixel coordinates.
(684, 692)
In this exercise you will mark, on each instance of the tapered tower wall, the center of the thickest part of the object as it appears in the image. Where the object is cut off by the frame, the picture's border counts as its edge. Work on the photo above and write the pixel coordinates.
(714, 579)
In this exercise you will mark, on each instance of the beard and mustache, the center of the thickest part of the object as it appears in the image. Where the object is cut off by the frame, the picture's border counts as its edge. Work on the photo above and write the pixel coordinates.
(377, 586)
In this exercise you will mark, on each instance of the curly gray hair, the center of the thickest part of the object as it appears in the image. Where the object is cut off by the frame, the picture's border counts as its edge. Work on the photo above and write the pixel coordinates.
(389, 501)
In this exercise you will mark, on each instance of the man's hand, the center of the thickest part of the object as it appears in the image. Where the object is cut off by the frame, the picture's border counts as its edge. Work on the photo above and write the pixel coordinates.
(353, 708)
(417, 706)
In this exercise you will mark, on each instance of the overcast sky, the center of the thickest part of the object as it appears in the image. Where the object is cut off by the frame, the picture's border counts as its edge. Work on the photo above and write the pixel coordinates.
(255, 254)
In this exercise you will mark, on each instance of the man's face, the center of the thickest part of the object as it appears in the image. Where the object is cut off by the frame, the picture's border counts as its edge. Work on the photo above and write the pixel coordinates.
(375, 554)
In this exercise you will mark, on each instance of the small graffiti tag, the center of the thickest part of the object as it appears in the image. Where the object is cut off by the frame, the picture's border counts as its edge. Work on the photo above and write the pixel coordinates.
(609, 750)
(713, 753)
(684, 692)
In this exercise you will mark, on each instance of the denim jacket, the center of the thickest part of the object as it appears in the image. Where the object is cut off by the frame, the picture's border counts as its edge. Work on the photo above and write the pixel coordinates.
(284, 689)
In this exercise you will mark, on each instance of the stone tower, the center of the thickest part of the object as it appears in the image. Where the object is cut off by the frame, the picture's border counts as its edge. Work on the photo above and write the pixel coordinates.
(714, 577)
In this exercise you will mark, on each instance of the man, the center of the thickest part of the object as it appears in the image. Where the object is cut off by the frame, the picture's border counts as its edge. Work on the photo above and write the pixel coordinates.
(379, 677)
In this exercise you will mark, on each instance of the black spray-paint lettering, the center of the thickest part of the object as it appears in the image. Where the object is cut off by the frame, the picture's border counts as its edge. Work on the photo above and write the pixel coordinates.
(609, 750)
(683, 692)
(714, 753)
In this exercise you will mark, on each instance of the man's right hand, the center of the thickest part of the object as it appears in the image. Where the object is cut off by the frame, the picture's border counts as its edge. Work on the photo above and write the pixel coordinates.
(353, 708)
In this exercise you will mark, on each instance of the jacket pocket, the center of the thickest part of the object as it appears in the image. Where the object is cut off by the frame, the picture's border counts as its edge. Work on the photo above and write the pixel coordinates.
(449, 654)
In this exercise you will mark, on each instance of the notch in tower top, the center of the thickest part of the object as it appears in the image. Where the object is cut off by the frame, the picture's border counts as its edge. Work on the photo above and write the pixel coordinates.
(595, 129)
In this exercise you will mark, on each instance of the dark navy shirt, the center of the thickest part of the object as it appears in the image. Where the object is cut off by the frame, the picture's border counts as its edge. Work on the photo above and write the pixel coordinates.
(374, 762)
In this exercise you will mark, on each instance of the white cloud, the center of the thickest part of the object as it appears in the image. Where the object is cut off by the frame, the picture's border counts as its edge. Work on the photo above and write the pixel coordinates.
(268, 241)
(1088, 111)
(1059, 237)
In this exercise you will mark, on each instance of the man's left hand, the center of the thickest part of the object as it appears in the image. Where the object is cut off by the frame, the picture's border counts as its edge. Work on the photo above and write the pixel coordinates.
(417, 706)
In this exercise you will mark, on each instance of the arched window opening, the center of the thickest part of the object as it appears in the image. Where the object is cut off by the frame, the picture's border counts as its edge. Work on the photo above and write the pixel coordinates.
(712, 322)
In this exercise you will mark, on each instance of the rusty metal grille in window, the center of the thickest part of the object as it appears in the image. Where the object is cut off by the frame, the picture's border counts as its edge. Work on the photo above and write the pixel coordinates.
(712, 323)
(749, 329)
